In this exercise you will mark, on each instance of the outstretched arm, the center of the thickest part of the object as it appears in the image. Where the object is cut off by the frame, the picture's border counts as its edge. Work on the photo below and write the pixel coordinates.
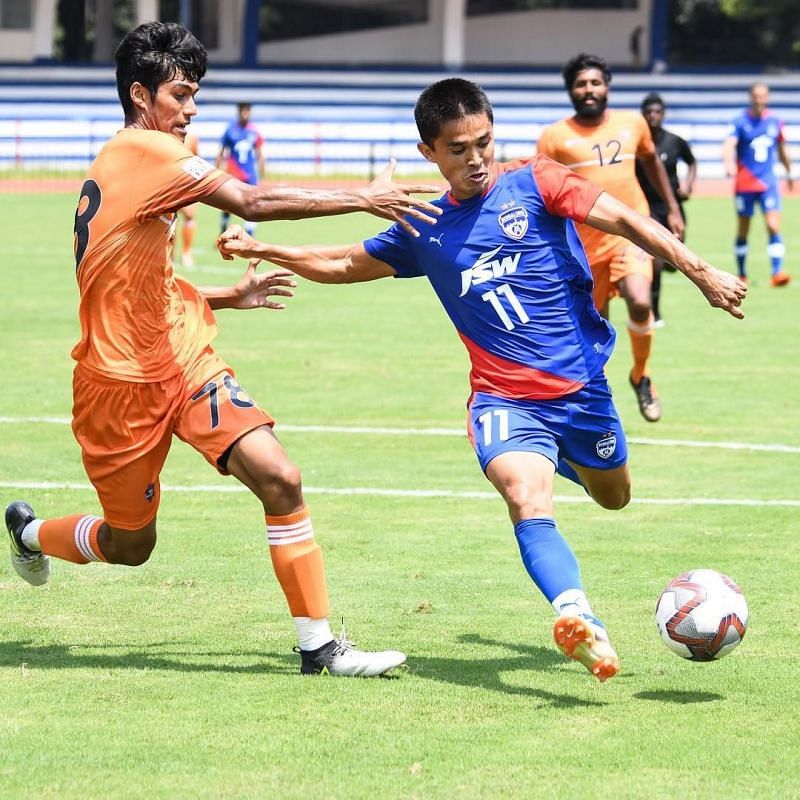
(252, 291)
(335, 264)
(382, 197)
(721, 289)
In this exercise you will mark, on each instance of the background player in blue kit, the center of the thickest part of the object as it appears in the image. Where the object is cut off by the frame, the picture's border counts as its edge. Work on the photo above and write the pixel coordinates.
(755, 142)
(507, 265)
(241, 155)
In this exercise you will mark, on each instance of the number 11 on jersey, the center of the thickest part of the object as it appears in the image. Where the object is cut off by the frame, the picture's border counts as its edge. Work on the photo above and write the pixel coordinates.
(491, 420)
(492, 298)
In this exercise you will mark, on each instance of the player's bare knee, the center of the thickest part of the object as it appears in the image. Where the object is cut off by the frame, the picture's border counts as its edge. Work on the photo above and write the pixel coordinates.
(616, 498)
(525, 501)
(281, 484)
(130, 548)
(288, 478)
(639, 310)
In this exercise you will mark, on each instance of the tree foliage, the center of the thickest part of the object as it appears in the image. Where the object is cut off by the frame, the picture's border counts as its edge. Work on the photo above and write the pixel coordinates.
(748, 33)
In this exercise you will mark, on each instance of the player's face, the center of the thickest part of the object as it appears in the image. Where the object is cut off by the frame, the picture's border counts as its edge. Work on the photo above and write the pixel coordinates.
(654, 115)
(759, 97)
(464, 152)
(172, 109)
(589, 93)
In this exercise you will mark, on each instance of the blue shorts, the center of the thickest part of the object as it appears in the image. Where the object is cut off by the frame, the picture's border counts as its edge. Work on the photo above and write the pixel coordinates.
(583, 427)
(769, 200)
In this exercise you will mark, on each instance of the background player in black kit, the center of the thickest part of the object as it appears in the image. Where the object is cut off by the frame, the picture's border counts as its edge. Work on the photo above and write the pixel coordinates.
(672, 149)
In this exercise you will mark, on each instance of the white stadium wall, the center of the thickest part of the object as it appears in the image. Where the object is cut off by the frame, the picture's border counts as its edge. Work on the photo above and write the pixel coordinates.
(16, 45)
(544, 38)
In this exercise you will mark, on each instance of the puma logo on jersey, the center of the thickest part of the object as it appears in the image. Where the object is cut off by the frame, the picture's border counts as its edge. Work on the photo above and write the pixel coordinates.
(437, 239)
(487, 267)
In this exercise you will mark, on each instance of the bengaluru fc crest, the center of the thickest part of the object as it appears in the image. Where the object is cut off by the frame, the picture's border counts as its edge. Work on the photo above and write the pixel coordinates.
(514, 222)
(607, 445)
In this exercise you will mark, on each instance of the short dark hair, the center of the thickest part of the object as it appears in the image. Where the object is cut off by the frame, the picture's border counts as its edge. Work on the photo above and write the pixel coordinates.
(447, 100)
(154, 53)
(581, 62)
(652, 99)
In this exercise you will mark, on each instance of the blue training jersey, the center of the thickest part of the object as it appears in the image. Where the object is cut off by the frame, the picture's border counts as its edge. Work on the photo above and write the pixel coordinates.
(511, 273)
(243, 144)
(757, 141)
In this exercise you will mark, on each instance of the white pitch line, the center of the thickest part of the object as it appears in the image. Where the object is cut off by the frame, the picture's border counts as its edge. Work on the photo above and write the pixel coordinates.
(235, 488)
(378, 431)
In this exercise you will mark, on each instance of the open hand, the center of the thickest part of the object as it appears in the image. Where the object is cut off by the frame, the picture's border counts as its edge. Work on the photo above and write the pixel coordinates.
(255, 289)
(393, 201)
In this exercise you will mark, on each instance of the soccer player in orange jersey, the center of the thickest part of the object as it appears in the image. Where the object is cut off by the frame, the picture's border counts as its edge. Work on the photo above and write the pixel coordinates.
(604, 146)
(146, 369)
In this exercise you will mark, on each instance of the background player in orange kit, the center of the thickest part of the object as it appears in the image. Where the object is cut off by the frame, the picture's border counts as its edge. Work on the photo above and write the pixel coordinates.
(604, 146)
(146, 369)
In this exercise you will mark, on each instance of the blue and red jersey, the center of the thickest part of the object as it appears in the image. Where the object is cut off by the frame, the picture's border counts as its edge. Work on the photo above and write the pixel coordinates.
(757, 140)
(512, 275)
(243, 144)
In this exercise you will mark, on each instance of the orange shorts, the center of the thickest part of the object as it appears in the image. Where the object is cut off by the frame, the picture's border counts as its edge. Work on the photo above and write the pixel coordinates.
(125, 430)
(616, 265)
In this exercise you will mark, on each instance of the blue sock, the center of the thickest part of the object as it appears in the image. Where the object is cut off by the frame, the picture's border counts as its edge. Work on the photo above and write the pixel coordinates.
(775, 251)
(250, 228)
(224, 221)
(741, 255)
(547, 557)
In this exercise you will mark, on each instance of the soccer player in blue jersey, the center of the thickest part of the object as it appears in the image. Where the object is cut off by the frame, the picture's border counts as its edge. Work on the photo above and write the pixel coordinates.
(241, 154)
(507, 265)
(754, 144)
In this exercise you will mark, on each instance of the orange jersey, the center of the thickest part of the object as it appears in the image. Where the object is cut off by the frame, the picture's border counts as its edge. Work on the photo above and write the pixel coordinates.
(139, 321)
(605, 154)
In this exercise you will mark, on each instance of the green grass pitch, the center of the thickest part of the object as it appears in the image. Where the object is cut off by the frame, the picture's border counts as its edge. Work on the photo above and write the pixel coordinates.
(177, 679)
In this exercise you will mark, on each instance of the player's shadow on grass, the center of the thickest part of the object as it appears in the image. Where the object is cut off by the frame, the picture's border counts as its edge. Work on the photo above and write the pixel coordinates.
(486, 673)
(683, 698)
(168, 656)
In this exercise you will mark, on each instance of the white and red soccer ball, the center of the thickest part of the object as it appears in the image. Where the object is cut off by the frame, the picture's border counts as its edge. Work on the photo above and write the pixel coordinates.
(702, 615)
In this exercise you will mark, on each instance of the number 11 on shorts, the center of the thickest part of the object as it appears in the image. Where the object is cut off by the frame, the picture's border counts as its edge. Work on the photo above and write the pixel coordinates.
(494, 419)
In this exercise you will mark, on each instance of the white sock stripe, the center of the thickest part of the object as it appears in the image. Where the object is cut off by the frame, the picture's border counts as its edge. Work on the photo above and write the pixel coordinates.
(776, 250)
(81, 534)
(295, 526)
(275, 542)
(82, 531)
(644, 327)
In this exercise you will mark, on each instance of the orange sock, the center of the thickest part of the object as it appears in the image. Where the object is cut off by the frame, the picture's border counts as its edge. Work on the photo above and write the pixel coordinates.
(641, 335)
(189, 228)
(297, 561)
(72, 538)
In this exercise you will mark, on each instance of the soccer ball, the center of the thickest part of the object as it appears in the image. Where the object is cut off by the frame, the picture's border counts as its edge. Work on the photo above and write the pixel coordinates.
(702, 615)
